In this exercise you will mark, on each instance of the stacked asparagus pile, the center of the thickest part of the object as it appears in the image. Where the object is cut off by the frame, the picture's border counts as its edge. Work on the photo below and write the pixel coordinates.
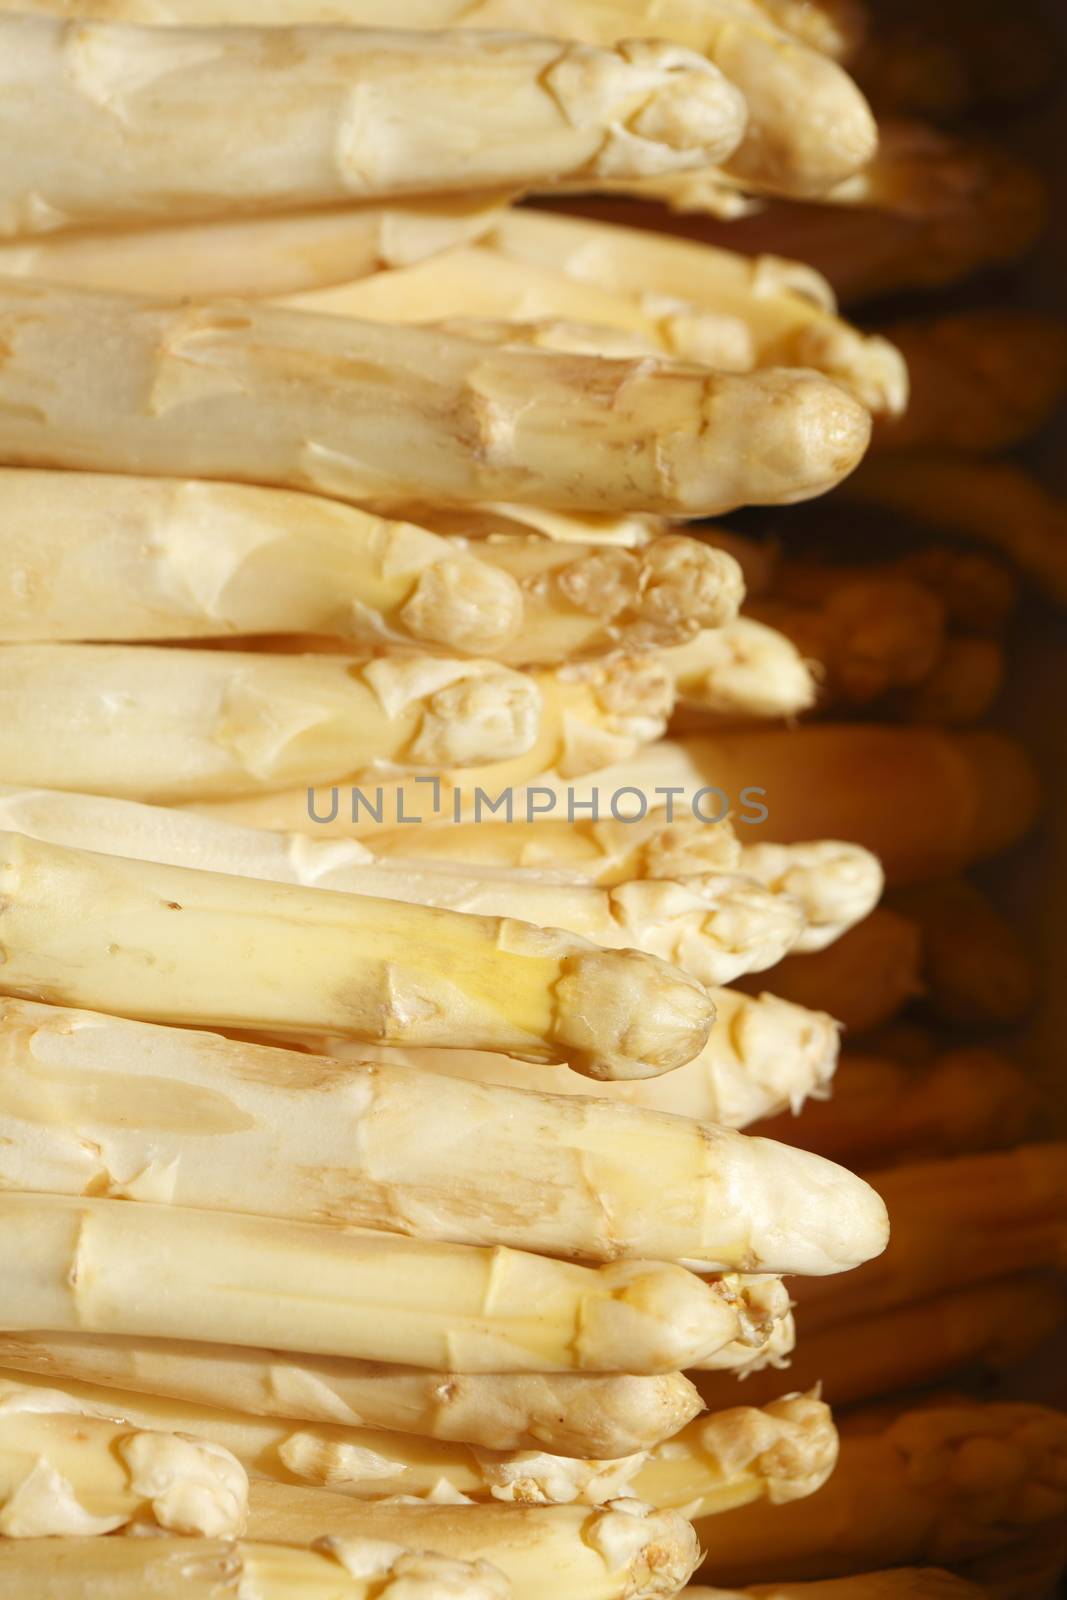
(423, 941)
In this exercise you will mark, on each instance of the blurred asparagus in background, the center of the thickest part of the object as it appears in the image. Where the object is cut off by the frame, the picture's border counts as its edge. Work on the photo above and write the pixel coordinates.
(897, 1583)
(976, 969)
(862, 980)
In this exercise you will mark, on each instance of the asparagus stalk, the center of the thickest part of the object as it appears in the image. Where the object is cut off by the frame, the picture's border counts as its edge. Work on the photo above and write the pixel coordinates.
(89, 556)
(583, 1415)
(961, 690)
(65, 1470)
(837, 883)
(955, 1223)
(863, 980)
(106, 1266)
(935, 1485)
(358, 410)
(254, 120)
(369, 1464)
(897, 1583)
(183, 1569)
(236, 1127)
(787, 309)
(976, 592)
(626, 1551)
(968, 1332)
(981, 381)
(884, 1112)
(763, 1056)
(740, 671)
(976, 968)
(174, 944)
(254, 256)
(784, 1452)
(837, 28)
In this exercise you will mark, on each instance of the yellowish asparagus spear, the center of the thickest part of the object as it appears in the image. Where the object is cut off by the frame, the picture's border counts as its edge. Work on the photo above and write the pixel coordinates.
(369, 1464)
(785, 1451)
(108, 1266)
(67, 1470)
(995, 503)
(981, 381)
(864, 637)
(626, 1551)
(175, 944)
(585, 1415)
(931, 1485)
(479, 282)
(882, 1112)
(252, 255)
(740, 671)
(90, 556)
(897, 1583)
(962, 688)
(970, 1332)
(863, 980)
(787, 309)
(955, 1223)
(715, 926)
(360, 410)
(314, 117)
(763, 1056)
(837, 883)
(975, 966)
(231, 1126)
(183, 1569)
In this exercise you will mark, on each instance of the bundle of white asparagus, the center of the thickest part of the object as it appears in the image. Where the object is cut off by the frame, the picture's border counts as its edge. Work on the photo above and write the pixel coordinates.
(367, 704)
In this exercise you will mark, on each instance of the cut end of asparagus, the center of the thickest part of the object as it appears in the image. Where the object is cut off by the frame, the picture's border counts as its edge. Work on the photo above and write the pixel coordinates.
(837, 883)
(668, 108)
(464, 605)
(715, 927)
(659, 594)
(790, 1446)
(471, 712)
(648, 1553)
(624, 1014)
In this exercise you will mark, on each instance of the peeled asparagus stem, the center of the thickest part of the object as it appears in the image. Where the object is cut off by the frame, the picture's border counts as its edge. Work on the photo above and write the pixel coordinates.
(243, 120)
(255, 255)
(786, 1451)
(981, 381)
(626, 1551)
(172, 944)
(235, 1127)
(68, 1470)
(996, 503)
(741, 670)
(585, 1415)
(863, 979)
(108, 1266)
(931, 1485)
(955, 1223)
(369, 1464)
(715, 926)
(884, 1112)
(787, 310)
(181, 1569)
(196, 723)
(982, 1330)
(91, 556)
(359, 410)
(762, 1056)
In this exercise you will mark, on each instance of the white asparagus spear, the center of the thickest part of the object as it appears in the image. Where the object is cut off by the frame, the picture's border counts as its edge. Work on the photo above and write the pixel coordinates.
(763, 1053)
(369, 1464)
(626, 1551)
(201, 1569)
(92, 556)
(180, 724)
(253, 256)
(91, 1104)
(809, 126)
(787, 308)
(585, 1415)
(174, 944)
(479, 282)
(65, 1469)
(359, 410)
(106, 124)
(109, 1266)
(740, 671)
(715, 926)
